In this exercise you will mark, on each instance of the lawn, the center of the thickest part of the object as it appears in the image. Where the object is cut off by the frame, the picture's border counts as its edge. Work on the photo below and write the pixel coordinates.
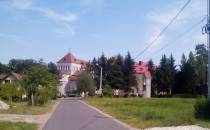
(17, 126)
(145, 113)
(24, 109)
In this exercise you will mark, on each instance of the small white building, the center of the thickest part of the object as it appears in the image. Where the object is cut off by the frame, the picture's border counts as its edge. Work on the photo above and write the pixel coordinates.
(69, 67)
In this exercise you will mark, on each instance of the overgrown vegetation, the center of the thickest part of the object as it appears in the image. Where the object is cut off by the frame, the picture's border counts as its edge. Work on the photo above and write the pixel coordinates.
(202, 109)
(85, 83)
(39, 81)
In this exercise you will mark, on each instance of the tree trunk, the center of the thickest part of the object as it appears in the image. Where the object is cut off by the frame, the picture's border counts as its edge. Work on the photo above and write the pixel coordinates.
(32, 99)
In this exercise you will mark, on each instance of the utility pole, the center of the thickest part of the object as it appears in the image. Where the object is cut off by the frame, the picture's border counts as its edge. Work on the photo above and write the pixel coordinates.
(207, 30)
(100, 88)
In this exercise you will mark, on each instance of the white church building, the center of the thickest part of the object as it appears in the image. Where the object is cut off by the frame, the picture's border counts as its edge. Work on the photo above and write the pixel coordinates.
(69, 67)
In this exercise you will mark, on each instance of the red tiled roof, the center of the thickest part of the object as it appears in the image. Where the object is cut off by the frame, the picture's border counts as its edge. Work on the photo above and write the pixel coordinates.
(142, 68)
(70, 58)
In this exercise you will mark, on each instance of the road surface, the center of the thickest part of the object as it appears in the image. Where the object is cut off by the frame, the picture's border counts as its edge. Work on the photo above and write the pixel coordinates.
(71, 114)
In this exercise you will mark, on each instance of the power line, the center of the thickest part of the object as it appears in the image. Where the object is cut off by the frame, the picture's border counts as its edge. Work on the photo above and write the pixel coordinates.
(181, 35)
(164, 29)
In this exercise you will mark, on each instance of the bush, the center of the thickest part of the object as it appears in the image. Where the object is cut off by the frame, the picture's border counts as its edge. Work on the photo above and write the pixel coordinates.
(12, 91)
(107, 91)
(202, 109)
(85, 83)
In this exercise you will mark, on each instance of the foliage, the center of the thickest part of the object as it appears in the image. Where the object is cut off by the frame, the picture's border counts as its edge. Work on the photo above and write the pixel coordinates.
(41, 84)
(107, 91)
(185, 79)
(118, 71)
(165, 75)
(53, 68)
(12, 91)
(115, 77)
(202, 109)
(4, 68)
(20, 65)
(129, 73)
(85, 83)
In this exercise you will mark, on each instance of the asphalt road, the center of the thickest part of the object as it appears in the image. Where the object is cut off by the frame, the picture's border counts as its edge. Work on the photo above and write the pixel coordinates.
(71, 114)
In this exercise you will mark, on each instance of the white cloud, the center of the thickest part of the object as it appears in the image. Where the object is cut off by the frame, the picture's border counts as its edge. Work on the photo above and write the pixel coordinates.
(28, 5)
(68, 31)
(64, 18)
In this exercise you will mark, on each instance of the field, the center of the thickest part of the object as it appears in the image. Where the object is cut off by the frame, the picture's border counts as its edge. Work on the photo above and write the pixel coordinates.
(17, 126)
(146, 113)
(23, 108)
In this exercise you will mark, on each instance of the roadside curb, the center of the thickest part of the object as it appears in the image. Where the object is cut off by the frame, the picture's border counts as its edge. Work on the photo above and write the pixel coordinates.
(107, 115)
(48, 115)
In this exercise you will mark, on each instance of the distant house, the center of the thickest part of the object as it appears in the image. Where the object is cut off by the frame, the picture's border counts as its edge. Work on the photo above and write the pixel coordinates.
(69, 68)
(10, 77)
(143, 78)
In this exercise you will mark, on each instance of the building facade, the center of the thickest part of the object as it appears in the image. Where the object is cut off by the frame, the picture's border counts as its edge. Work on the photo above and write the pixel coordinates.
(143, 78)
(69, 68)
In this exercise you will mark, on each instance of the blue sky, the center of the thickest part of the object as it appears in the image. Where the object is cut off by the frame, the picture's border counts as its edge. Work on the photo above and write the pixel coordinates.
(49, 28)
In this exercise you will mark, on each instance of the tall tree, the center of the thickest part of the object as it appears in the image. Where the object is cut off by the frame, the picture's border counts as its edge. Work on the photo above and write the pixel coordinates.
(185, 79)
(151, 69)
(183, 59)
(129, 74)
(102, 63)
(172, 71)
(164, 75)
(53, 68)
(20, 65)
(115, 77)
(201, 66)
(4, 68)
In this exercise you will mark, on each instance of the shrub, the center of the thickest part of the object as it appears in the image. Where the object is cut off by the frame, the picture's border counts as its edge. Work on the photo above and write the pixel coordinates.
(85, 83)
(12, 91)
(107, 91)
(202, 109)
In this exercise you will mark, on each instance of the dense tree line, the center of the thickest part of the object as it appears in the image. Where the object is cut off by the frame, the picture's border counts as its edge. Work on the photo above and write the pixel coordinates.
(118, 71)
(39, 81)
(189, 78)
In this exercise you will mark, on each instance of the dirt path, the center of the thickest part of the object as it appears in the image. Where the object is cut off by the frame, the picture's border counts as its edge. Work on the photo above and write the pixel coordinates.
(38, 119)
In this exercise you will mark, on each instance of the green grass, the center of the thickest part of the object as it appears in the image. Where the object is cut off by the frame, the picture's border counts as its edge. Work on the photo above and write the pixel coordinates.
(17, 126)
(24, 109)
(145, 113)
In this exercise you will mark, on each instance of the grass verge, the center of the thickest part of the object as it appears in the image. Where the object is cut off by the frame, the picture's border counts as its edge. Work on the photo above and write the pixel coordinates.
(23, 108)
(146, 113)
(17, 126)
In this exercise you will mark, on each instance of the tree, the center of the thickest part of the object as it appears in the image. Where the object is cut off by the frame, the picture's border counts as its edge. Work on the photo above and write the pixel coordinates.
(20, 65)
(115, 77)
(4, 68)
(129, 74)
(85, 83)
(172, 71)
(40, 85)
(52, 68)
(183, 60)
(151, 69)
(102, 62)
(201, 67)
(165, 74)
(185, 79)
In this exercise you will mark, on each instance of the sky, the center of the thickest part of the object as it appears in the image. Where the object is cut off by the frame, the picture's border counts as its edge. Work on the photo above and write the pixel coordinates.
(49, 29)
